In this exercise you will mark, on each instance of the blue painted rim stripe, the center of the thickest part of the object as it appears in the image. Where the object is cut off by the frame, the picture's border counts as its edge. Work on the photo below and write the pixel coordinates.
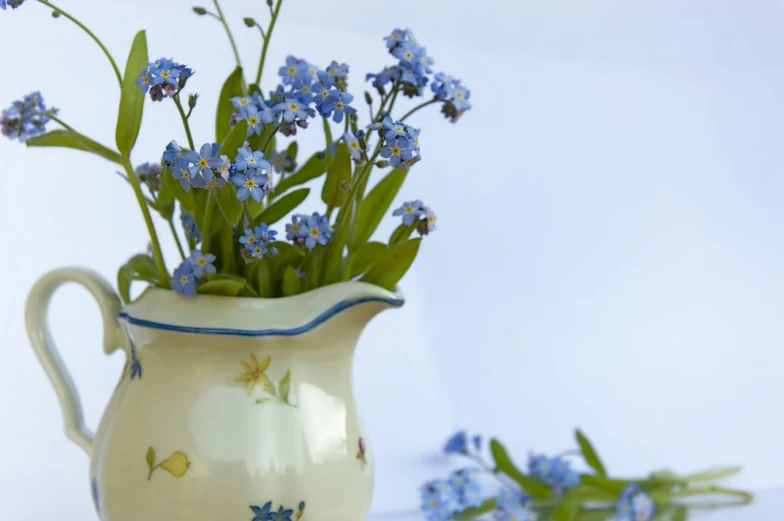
(334, 310)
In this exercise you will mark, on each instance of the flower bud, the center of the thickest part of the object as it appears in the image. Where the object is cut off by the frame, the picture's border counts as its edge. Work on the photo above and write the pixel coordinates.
(368, 98)
(250, 22)
(56, 14)
(269, 3)
(302, 123)
(200, 11)
(192, 100)
(382, 164)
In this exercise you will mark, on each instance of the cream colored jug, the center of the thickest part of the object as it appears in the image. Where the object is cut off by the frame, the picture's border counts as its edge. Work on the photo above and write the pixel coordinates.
(228, 408)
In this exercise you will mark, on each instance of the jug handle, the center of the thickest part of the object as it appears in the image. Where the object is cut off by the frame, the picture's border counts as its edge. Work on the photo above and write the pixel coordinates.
(36, 318)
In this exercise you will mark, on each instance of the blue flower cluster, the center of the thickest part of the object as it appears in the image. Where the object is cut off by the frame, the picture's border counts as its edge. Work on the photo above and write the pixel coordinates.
(309, 230)
(414, 65)
(454, 95)
(163, 78)
(441, 499)
(207, 169)
(192, 269)
(25, 118)
(267, 513)
(192, 231)
(254, 110)
(401, 142)
(556, 472)
(309, 85)
(634, 505)
(511, 505)
(13, 3)
(416, 213)
(255, 241)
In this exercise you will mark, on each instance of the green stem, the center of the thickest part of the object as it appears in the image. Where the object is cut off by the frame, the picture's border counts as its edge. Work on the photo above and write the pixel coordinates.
(267, 38)
(421, 105)
(327, 131)
(746, 497)
(156, 246)
(264, 36)
(92, 35)
(249, 214)
(394, 98)
(185, 123)
(205, 233)
(176, 238)
(269, 139)
(228, 32)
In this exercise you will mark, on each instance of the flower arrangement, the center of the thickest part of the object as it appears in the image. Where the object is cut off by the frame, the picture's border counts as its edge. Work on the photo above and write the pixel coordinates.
(231, 190)
(552, 489)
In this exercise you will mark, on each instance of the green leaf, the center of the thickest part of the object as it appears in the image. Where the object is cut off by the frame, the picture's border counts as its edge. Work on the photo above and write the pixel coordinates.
(591, 458)
(488, 505)
(361, 259)
(282, 207)
(151, 458)
(713, 474)
(186, 199)
(264, 280)
(256, 207)
(375, 206)
(291, 150)
(392, 264)
(292, 284)
(227, 260)
(313, 168)
(269, 387)
(229, 205)
(570, 505)
(270, 148)
(262, 400)
(225, 287)
(680, 513)
(400, 234)
(164, 202)
(339, 171)
(333, 253)
(253, 88)
(534, 487)
(70, 139)
(231, 87)
(234, 140)
(139, 267)
(129, 119)
(284, 386)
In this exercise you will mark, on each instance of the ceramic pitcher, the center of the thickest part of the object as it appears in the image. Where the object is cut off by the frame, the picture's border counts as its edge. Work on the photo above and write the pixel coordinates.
(228, 408)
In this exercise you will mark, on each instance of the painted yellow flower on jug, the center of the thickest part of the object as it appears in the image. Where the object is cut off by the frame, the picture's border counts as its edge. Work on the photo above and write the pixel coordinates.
(177, 464)
(254, 375)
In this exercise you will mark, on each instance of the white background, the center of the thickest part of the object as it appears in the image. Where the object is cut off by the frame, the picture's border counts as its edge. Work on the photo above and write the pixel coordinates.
(609, 252)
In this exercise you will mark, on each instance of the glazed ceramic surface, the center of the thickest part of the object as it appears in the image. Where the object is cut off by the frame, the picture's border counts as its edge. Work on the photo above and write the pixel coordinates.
(228, 408)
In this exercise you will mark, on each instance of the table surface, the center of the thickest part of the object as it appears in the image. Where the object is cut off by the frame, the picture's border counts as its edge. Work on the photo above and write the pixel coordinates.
(768, 505)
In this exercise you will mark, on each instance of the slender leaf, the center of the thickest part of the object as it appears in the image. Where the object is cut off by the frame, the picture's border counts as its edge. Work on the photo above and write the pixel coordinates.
(339, 172)
(270, 148)
(291, 150)
(129, 119)
(151, 458)
(713, 474)
(139, 267)
(313, 168)
(534, 487)
(225, 287)
(229, 205)
(375, 206)
(253, 88)
(282, 207)
(235, 139)
(392, 264)
(591, 458)
(292, 283)
(259, 401)
(164, 202)
(69, 139)
(333, 253)
(284, 386)
(570, 505)
(361, 259)
(227, 246)
(264, 279)
(681, 513)
(401, 234)
(231, 87)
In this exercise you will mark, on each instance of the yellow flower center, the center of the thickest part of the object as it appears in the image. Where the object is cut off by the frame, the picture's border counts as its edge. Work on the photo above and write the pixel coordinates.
(459, 95)
(333, 72)
(243, 101)
(165, 74)
(409, 55)
(292, 70)
(211, 184)
(251, 160)
(395, 151)
(293, 106)
(146, 79)
(340, 105)
(250, 183)
(253, 120)
(305, 88)
(409, 209)
(294, 227)
(279, 161)
(395, 36)
(431, 218)
(399, 128)
(355, 144)
(202, 163)
(201, 262)
(314, 232)
(186, 174)
(312, 72)
(184, 279)
(433, 503)
(256, 250)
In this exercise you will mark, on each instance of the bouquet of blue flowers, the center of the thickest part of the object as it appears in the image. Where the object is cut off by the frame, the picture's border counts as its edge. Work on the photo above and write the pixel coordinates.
(551, 489)
(231, 190)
